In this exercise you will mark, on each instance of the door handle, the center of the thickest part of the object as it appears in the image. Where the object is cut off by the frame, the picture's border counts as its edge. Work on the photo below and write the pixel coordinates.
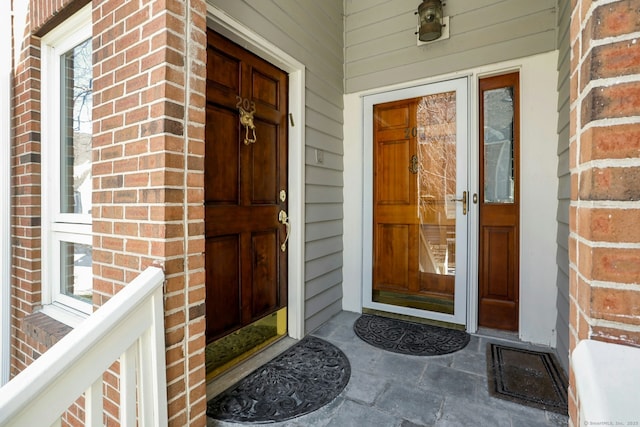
(463, 199)
(284, 219)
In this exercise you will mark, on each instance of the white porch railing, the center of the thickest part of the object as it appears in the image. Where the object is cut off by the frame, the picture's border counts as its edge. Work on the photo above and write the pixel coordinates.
(607, 382)
(128, 328)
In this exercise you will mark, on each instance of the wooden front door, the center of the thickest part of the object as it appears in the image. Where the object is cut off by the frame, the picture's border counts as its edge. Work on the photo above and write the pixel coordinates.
(245, 181)
(498, 263)
(419, 203)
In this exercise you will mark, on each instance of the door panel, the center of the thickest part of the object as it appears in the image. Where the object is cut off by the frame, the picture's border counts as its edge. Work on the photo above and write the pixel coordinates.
(419, 170)
(394, 205)
(392, 254)
(225, 162)
(223, 302)
(246, 268)
(265, 274)
(499, 202)
(264, 166)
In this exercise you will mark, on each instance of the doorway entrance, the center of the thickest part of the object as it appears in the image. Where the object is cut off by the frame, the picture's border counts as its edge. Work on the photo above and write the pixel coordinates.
(246, 193)
(419, 201)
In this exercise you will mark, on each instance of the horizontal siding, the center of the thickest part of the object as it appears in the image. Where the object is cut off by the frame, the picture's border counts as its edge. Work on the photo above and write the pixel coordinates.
(323, 194)
(380, 44)
(564, 184)
(324, 247)
(323, 212)
(322, 230)
(319, 318)
(312, 32)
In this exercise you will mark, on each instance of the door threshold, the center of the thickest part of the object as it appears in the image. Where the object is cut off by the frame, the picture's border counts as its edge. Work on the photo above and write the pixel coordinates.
(498, 334)
(222, 382)
(413, 319)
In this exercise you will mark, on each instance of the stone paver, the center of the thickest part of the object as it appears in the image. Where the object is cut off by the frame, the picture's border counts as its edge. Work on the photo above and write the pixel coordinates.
(392, 390)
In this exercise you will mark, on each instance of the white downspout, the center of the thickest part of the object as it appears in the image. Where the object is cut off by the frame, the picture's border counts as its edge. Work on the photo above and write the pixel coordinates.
(5, 194)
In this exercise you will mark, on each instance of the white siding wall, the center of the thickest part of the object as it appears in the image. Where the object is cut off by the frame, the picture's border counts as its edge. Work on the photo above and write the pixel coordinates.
(381, 46)
(564, 182)
(312, 32)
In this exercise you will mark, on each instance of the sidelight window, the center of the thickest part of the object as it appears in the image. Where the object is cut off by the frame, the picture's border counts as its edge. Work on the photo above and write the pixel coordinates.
(67, 101)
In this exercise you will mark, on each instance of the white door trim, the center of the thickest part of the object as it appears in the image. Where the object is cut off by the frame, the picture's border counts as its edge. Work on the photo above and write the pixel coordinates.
(229, 27)
(5, 195)
(463, 251)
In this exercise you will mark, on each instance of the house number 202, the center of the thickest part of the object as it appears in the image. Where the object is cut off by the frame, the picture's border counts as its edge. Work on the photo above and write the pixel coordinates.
(412, 132)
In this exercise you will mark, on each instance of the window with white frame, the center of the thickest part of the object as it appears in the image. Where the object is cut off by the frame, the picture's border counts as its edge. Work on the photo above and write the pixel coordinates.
(67, 87)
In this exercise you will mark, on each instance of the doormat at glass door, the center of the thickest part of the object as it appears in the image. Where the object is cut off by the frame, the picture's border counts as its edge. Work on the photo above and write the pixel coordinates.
(401, 336)
(304, 378)
(527, 377)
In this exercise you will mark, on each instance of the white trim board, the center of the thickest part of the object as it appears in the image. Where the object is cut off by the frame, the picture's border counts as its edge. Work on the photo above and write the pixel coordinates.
(229, 27)
(5, 195)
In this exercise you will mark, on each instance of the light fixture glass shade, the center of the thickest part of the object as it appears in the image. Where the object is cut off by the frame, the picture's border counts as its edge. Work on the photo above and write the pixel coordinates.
(429, 20)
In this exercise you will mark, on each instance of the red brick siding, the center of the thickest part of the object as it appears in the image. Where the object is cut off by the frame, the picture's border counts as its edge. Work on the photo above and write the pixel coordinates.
(604, 245)
(148, 152)
(26, 212)
(148, 169)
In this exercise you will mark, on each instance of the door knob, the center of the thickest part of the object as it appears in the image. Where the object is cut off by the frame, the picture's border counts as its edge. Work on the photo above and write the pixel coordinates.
(284, 219)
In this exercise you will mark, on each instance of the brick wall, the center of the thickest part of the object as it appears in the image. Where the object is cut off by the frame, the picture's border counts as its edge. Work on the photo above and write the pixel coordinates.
(148, 164)
(148, 159)
(605, 175)
(25, 200)
(148, 172)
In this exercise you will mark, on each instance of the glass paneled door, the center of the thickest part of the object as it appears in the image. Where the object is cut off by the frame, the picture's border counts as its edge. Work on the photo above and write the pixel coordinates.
(417, 140)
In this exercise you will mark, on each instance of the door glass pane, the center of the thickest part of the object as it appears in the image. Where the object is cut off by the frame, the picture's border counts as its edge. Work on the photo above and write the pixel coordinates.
(76, 129)
(498, 145)
(436, 149)
(76, 278)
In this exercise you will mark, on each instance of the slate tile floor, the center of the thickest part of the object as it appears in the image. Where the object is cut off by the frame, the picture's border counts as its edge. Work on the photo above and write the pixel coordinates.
(388, 389)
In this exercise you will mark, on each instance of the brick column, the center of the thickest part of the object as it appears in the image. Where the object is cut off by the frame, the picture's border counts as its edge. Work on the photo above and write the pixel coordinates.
(148, 152)
(604, 245)
(25, 200)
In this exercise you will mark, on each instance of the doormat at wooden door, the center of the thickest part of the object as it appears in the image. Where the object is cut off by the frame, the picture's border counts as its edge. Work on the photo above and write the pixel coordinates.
(531, 378)
(301, 380)
(401, 336)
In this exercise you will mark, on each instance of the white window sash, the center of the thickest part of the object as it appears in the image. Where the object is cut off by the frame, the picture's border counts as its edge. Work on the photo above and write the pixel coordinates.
(59, 227)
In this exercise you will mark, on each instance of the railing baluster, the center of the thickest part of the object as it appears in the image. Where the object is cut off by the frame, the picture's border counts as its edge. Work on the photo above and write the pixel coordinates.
(93, 404)
(128, 362)
(152, 373)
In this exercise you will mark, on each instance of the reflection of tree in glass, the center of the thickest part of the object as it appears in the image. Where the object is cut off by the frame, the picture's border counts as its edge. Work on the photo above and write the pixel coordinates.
(76, 128)
(436, 145)
(436, 117)
(82, 86)
(498, 145)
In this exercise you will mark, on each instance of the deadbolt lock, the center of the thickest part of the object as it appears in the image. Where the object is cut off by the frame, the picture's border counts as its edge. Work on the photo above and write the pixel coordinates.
(283, 195)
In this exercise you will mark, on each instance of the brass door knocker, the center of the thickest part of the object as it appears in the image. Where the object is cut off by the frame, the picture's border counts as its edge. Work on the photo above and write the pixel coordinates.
(247, 109)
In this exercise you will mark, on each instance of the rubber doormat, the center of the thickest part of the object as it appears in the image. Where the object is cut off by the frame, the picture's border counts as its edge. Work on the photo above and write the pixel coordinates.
(304, 378)
(400, 336)
(531, 378)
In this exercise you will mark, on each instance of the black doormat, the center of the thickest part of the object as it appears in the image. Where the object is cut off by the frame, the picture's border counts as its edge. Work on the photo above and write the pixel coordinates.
(531, 378)
(302, 379)
(400, 336)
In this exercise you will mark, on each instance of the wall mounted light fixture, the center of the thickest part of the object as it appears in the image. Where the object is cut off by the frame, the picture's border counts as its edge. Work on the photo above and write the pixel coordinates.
(430, 21)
